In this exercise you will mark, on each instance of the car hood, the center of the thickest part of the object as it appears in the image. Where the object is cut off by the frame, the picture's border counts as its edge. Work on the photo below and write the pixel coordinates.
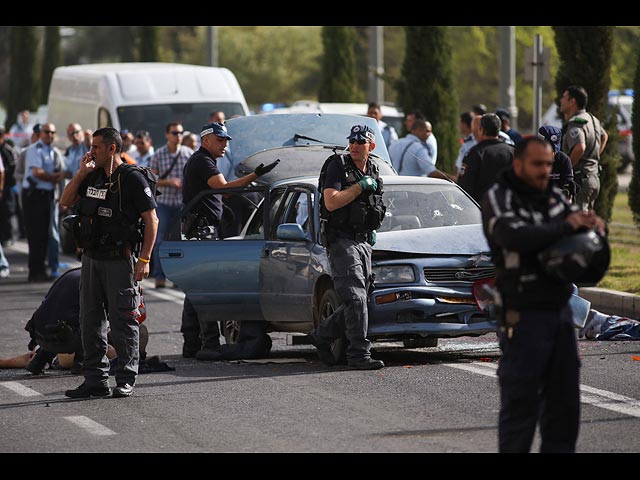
(261, 132)
(454, 240)
(300, 161)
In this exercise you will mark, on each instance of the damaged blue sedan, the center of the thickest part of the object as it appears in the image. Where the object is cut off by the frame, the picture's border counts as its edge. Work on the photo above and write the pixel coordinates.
(430, 251)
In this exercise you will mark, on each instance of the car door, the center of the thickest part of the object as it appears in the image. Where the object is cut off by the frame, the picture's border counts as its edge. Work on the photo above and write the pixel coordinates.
(286, 275)
(220, 277)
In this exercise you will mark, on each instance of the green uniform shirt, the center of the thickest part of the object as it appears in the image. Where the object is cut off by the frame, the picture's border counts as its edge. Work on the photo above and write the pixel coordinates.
(584, 128)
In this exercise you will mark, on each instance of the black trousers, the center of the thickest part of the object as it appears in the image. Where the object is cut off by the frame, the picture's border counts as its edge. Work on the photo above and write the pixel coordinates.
(539, 382)
(37, 210)
(198, 333)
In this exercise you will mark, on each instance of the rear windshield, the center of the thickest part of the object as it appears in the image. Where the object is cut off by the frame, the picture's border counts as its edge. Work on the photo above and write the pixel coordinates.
(155, 118)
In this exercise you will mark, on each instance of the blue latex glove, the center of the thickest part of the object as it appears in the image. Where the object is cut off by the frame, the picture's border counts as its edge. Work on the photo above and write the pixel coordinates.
(368, 183)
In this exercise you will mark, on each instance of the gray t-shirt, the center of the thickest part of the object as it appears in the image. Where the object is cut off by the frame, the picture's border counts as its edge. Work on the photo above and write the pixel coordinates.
(584, 128)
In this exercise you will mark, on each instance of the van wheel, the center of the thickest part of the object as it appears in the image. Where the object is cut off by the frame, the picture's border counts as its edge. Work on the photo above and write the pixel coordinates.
(329, 303)
(420, 342)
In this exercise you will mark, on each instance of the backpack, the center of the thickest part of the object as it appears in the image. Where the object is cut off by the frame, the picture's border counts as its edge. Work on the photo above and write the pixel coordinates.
(324, 213)
(152, 178)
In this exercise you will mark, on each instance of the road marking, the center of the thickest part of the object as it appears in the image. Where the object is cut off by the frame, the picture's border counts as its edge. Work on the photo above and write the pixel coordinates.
(589, 395)
(89, 425)
(175, 297)
(20, 389)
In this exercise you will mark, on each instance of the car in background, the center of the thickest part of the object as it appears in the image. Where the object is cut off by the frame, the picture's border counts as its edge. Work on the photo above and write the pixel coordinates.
(390, 114)
(622, 103)
(430, 250)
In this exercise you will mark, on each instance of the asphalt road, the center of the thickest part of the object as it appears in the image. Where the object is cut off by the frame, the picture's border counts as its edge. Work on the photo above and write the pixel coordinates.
(442, 399)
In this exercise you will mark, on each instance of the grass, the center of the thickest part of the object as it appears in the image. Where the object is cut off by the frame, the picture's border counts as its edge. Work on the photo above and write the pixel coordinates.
(624, 238)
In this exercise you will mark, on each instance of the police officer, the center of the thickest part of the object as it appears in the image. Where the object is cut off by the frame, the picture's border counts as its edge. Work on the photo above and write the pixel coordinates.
(562, 173)
(201, 338)
(42, 173)
(482, 164)
(522, 215)
(352, 198)
(584, 141)
(113, 197)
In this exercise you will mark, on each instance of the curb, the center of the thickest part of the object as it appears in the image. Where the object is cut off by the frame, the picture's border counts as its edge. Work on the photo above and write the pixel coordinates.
(613, 302)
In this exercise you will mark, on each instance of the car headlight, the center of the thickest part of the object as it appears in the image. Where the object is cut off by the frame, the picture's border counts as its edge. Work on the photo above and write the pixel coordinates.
(394, 274)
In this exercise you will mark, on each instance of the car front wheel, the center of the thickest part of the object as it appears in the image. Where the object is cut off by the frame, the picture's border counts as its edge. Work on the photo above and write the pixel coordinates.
(328, 305)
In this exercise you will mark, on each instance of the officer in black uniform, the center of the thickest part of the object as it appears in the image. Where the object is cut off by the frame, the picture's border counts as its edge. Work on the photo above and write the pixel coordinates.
(524, 214)
(202, 338)
(352, 208)
(482, 164)
(117, 213)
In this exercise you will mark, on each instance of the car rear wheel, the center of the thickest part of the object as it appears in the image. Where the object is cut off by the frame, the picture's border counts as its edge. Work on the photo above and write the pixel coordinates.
(420, 342)
(328, 305)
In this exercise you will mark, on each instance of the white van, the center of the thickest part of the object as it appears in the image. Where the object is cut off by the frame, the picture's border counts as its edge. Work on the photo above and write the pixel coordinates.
(141, 96)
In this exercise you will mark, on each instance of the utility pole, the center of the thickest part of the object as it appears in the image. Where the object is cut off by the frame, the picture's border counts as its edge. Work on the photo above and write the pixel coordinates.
(376, 64)
(212, 47)
(507, 63)
(538, 64)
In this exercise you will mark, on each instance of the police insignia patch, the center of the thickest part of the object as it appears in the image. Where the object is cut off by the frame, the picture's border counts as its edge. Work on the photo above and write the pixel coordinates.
(462, 169)
(574, 133)
(147, 190)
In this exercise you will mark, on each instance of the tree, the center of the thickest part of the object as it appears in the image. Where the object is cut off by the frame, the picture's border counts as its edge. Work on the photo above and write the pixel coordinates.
(339, 81)
(23, 81)
(585, 59)
(634, 185)
(51, 58)
(427, 84)
(148, 45)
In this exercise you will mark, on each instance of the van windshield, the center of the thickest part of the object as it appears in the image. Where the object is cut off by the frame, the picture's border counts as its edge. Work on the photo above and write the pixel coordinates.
(154, 118)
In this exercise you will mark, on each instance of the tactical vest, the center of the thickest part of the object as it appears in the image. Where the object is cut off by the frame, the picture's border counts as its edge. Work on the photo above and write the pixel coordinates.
(103, 224)
(366, 212)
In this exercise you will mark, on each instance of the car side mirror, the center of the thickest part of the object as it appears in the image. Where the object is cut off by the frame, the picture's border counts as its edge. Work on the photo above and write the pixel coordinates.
(291, 231)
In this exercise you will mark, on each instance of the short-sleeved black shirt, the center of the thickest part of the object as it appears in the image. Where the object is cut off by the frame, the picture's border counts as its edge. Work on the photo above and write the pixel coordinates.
(136, 195)
(198, 170)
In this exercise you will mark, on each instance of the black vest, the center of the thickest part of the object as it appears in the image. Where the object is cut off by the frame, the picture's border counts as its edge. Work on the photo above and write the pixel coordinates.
(366, 212)
(103, 222)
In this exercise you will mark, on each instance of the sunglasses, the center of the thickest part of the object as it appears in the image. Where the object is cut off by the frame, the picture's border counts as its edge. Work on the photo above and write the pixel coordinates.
(52, 132)
(176, 133)
(359, 141)
(75, 132)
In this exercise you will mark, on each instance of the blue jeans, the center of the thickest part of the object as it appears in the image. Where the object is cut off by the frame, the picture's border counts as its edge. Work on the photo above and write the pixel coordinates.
(3, 260)
(53, 242)
(167, 218)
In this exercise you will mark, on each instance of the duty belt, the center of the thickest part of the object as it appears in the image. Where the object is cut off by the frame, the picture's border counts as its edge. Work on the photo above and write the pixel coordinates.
(355, 236)
(108, 254)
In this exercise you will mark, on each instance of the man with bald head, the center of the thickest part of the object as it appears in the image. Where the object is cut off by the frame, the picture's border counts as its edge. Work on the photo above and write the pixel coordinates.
(411, 155)
(43, 170)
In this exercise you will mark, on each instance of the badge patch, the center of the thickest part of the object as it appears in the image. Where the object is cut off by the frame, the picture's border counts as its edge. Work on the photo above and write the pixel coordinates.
(147, 190)
(93, 192)
(463, 168)
(104, 212)
(574, 133)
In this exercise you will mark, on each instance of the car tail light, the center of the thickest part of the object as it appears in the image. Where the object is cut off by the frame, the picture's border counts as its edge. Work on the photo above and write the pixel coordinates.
(482, 292)
(625, 133)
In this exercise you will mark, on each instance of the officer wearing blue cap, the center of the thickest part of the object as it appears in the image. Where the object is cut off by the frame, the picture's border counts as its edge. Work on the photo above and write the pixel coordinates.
(351, 209)
(201, 339)
(562, 173)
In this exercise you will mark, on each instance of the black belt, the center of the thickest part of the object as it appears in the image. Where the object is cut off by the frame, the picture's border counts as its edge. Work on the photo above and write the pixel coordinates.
(108, 254)
(355, 236)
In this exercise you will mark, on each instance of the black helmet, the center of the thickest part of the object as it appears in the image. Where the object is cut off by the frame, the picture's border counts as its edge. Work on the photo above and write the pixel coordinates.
(582, 258)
